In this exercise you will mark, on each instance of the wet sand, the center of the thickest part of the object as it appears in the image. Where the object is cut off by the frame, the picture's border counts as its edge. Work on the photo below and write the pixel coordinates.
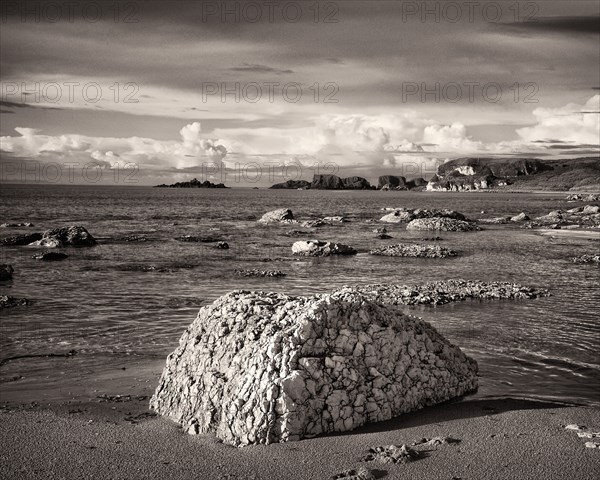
(97, 435)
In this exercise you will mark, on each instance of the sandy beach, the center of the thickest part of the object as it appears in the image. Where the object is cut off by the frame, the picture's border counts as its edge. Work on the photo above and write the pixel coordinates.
(499, 439)
(106, 430)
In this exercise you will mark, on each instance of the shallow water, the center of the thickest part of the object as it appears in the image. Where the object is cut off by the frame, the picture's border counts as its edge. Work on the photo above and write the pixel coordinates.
(101, 303)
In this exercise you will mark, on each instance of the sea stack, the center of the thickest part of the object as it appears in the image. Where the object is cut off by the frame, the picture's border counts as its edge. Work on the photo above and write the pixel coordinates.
(258, 367)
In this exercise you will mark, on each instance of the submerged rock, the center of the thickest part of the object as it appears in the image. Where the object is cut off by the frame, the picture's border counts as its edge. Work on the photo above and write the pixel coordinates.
(442, 224)
(16, 225)
(50, 256)
(260, 273)
(6, 272)
(259, 367)
(317, 248)
(197, 239)
(414, 250)
(283, 215)
(7, 301)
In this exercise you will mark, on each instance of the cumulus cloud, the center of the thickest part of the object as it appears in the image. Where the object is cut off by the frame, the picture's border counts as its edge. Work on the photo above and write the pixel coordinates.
(571, 123)
(192, 150)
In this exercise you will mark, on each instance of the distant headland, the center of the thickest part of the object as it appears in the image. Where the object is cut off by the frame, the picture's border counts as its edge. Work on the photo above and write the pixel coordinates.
(474, 173)
(194, 183)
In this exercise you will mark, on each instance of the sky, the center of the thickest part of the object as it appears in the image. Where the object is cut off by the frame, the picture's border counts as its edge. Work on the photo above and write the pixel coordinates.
(251, 93)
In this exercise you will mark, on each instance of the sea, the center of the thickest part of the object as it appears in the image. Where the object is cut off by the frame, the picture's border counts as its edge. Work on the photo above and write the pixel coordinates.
(126, 303)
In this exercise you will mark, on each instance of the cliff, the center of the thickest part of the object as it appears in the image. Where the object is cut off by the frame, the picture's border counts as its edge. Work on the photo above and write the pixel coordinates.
(333, 182)
(518, 173)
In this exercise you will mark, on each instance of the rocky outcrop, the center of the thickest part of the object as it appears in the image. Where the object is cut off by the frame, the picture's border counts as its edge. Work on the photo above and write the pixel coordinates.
(268, 367)
(521, 217)
(292, 185)
(283, 215)
(414, 250)
(442, 224)
(50, 256)
(317, 248)
(73, 236)
(194, 183)
(402, 215)
(333, 182)
(6, 272)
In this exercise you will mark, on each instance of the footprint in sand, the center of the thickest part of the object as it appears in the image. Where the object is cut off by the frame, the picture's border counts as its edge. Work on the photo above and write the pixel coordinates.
(392, 454)
(361, 473)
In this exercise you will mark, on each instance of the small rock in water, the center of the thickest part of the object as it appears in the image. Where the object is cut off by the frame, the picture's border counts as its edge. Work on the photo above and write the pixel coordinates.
(6, 272)
(592, 445)
(26, 239)
(260, 273)
(283, 215)
(380, 230)
(222, 246)
(361, 473)
(442, 224)
(317, 248)
(392, 454)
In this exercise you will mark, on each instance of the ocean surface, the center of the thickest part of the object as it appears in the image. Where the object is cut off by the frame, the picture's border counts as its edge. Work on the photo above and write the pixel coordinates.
(107, 303)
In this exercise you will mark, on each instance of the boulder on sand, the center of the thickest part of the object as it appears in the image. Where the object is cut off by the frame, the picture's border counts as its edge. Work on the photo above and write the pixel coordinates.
(317, 248)
(258, 367)
(283, 215)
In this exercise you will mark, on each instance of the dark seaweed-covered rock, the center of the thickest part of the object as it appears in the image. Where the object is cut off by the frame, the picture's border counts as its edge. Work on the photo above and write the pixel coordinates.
(25, 239)
(6, 272)
(50, 256)
(10, 302)
(222, 246)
